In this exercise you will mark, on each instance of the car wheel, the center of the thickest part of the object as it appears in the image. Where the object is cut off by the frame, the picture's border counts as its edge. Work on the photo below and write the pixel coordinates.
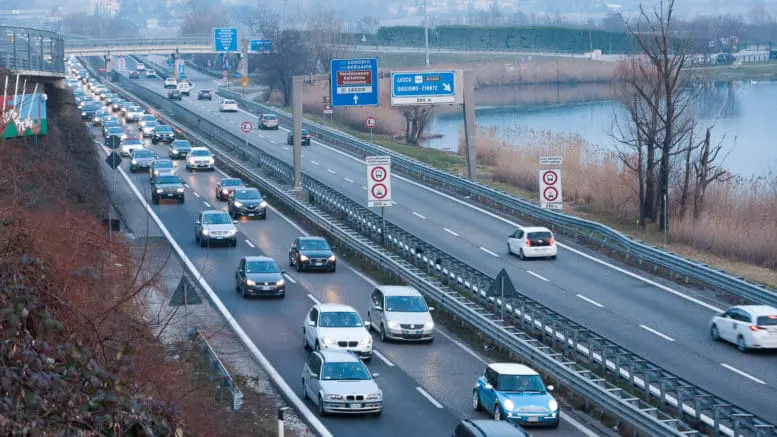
(299, 267)
(509, 249)
(333, 269)
(741, 344)
(476, 401)
(154, 200)
(318, 346)
(555, 424)
(521, 255)
(367, 360)
(183, 199)
(203, 242)
(497, 412)
(553, 257)
(243, 292)
(383, 337)
(321, 411)
(291, 261)
(379, 412)
(304, 391)
(714, 333)
(237, 286)
(234, 242)
(305, 344)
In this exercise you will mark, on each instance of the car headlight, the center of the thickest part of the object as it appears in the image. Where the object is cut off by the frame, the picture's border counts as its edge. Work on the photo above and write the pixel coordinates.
(328, 340)
(373, 397)
(333, 397)
(509, 405)
(211, 160)
(238, 204)
(180, 190)
(204, 232)
(280, 282)
(303, 258)
(123, 136)
(224, 191)
(332, 259)
(83, 114)
(232, 232)
(365, 341)
(263, 205)
(392, 324)
(250, 282)
(159, 190)
(134, 161)
(553, 405)
(429, 325)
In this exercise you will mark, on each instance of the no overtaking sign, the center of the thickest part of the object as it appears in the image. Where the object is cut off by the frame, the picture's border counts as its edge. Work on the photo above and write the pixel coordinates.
(378, 181)
(550, 189)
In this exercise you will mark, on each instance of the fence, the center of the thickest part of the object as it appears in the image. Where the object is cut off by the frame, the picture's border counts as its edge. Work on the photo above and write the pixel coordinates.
(32, 50)
(217, 371)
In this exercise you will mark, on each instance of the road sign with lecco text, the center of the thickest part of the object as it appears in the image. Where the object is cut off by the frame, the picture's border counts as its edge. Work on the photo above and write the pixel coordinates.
(378, 181)
(354, 82)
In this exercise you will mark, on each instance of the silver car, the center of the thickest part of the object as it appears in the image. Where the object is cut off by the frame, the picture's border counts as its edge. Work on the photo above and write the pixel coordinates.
(338, 382)
(133, 113)
(400, 313)
(141, 159)
(214, 226)
(148, 129)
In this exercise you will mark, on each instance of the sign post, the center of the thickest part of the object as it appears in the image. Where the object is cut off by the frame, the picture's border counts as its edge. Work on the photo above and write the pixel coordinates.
(246, 128)
(370, 122)
(354, 82)
(379, 186)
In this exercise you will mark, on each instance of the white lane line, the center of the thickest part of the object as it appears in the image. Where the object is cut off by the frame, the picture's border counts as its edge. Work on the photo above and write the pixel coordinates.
(232, 121)
(260, 135)
(394, 203)
(349, 180)
(419, 215)
(248, 242)
(313, 298)
(382, 358)
(289, 278)
(315, 163)
(591, 301)
(286, 148)
(331, 171)
(196, 194)
(428, 397)
(488, 251)
(653, 331)
(208, 204)
(272, 141)
(451, 232)
(364, 188)
(735, 370)
(537, 276)
(187, 185)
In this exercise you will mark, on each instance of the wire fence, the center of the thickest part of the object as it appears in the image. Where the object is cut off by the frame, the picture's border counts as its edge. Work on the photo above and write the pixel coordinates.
(32, 50)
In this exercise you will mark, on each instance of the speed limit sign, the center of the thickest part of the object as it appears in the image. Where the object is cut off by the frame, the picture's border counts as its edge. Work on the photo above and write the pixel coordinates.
(550, 189)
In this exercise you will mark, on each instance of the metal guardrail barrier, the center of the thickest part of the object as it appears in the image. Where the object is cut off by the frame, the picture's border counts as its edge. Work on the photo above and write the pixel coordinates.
(32, 50)
(217, 370)
(637, 391)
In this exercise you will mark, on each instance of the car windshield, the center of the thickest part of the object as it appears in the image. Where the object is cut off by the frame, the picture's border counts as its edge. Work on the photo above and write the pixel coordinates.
(247, 194)
(304, 132)
(313, 245)
(406, 304)
(152, 124)
(163, 128)
(181, 144)
(115, 131)
(767, 321)
(231, 183)
(205, 92)
(148, 118)
(340, 319)
(200, 153)
(521, 384)
(143, 154)
(539, 236)
(132, 142)
(163, 163)
(262, 267)
(216, 219)
(354, 371)
(168, 180)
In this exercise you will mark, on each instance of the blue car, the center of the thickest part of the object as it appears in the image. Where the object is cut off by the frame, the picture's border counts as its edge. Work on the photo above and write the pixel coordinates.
(515, 393)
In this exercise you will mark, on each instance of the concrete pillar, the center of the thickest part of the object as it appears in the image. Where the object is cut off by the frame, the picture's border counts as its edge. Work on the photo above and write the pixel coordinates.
(107, 63)
(176, 67)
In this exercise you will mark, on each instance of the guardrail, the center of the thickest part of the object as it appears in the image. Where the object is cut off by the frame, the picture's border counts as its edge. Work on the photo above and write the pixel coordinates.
(217, 370)
(32, 51)
(596, 365)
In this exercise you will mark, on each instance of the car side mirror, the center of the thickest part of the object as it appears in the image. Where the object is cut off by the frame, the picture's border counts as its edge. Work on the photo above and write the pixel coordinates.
(551, 388)
(314, 376)
(234, 222)
(283, 272)
(377, 308)
(376, 375)
(431, 309)
(333, 248)
(196, 222)
(311, 323)
(488, 387)
(367, 324)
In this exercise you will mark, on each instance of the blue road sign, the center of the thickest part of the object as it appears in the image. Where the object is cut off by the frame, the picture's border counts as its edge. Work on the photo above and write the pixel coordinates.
(355, 82)
(170, 61)
(181, 72)
(225, 39)
(261, 45)
(422, 88)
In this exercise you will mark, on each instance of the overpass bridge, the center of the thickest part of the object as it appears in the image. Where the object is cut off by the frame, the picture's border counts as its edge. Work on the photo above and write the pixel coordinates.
(139, 46)
(33, 53)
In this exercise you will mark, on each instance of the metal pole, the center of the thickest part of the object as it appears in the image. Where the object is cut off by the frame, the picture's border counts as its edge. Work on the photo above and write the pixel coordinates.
(371, 137)
(502, 284)
(185, 311)
(469, 124)
(426, 32)
(110, 206)
(666, 225)
(383, 225)
(296, 104)
(280, 421)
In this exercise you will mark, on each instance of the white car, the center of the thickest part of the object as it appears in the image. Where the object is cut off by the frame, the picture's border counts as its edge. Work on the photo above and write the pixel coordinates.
(338, 327)
(129, 145)
(140, 67)
(145, 118)
(338, 382)
(228, 106)
(200, 157)
(400, 313)
(183, 88)
(532, 242)
(150, 74)
(133, 113)
(171, 83)
(747, 326)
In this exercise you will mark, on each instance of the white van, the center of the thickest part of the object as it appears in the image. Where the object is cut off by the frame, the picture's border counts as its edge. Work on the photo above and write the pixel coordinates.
(183, 88)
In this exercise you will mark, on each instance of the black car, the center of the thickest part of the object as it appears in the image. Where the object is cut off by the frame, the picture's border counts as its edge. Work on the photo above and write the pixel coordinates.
(205, 95)
(174, 95)
(89, 109)
(488, 428)
(178, 149)
(247, 202)
(227, 186)
(167, 187)
(312, 253)
(304, 138)
(259, 276)
(114, 132)
(162, 134)
(134, 75)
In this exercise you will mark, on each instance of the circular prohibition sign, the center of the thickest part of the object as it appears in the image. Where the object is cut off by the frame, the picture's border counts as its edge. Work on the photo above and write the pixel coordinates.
(379, 191)
(550, 194)
(550, 177)
(246, 127)
(378, 174)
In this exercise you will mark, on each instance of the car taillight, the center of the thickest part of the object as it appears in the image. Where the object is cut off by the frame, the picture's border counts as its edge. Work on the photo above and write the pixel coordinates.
(550, 241)
(755, 328)
(528, 243)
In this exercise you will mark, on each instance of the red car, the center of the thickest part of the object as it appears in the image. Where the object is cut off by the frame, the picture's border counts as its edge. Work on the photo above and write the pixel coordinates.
(134, 75)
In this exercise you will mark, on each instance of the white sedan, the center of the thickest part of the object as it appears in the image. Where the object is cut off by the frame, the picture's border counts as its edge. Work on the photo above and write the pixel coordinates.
(333, 326)
(228, 106)
(747, 326)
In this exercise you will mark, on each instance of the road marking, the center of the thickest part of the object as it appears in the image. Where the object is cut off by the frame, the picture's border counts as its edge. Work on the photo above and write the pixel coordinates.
(428, 397)
(272, 141)
(331, 171)
(651, 330)
(488, 251)
(591, 301)
(419, 215)
(288, 276)
(315, 163)
(260, 135)
(364, 188)
(394, 203)
(313, 298)
(286, 148)
(187, 185)
(349, 180)
(232, 121)
(451, 232)
(248, 242)
(537, 276)
(208, 204)
(382, 358)
(735, 370)
(196, 194)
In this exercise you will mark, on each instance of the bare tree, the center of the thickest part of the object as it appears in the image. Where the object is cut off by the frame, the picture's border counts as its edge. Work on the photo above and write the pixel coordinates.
(417, 119)
(201, 17)
(368, 25)
(707, 170)
(262, 21)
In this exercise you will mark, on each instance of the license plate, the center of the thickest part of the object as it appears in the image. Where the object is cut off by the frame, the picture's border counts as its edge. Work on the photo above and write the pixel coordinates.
(532, 419)
(250, 214)
(220, 238)
(318, 263)
(266, 288)
(417, 332)
(355, 405)
(170, 195)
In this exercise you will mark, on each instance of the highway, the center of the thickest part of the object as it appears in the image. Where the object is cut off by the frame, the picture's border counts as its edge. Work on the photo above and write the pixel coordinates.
(427, 387)
(665, 324)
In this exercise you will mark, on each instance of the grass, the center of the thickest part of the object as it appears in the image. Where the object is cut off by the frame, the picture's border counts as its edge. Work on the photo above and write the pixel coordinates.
(739, 72)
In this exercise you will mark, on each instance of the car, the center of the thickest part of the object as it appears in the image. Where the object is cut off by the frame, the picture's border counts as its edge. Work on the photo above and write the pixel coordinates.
(214, 226)
(747, 326)
(269, 121)
(148, 129)
(338, 382)
(200, 157)
(247, 202)
(161, 166)
(174, 95)
(115, 131)
(150, 74)
(226, 186)
(183, 88)
(532, 242)
(400, 313)
(108, 122)
(129, 145)
(99, 117)
(89, 109)
(162, 134)
(125, 105)
(133, 113)
(167, 186)
(515, 393)
(140, 67)
(312, 253)
(171, 83)
(108, 98)
(259, 276)
(228, 106)
(304, 138)
(178, 149)
(118, 105)
(145, 119)
(488, 428)
(141, 159)
(134, 75)
(205, 95)
(338, 327)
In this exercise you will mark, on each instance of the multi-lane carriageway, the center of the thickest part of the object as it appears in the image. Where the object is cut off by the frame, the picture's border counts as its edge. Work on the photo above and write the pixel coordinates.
(663, 322)
(427, 387)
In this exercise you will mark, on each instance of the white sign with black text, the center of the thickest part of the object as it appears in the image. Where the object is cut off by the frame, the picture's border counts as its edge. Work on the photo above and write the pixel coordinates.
(378, 181)
(550, 189)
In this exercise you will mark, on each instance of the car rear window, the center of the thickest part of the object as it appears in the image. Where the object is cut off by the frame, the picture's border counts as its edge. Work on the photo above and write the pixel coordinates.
(539, 236)
(229, 102)
(767, 320)
(270, 117)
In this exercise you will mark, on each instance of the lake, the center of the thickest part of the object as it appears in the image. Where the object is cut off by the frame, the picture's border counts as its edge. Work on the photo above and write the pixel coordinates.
(745, 112)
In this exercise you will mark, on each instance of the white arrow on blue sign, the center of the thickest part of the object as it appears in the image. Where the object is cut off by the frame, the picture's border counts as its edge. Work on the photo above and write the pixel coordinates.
(354, 82)
(423, 88)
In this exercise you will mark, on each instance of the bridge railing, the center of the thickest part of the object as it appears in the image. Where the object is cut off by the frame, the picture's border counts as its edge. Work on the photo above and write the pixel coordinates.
(36, 50)
(200, 40)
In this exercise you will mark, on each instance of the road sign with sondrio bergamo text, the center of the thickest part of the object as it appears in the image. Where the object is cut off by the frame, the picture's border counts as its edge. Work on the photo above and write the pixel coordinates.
(354, 82)
(378, 181)
(550, 189)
